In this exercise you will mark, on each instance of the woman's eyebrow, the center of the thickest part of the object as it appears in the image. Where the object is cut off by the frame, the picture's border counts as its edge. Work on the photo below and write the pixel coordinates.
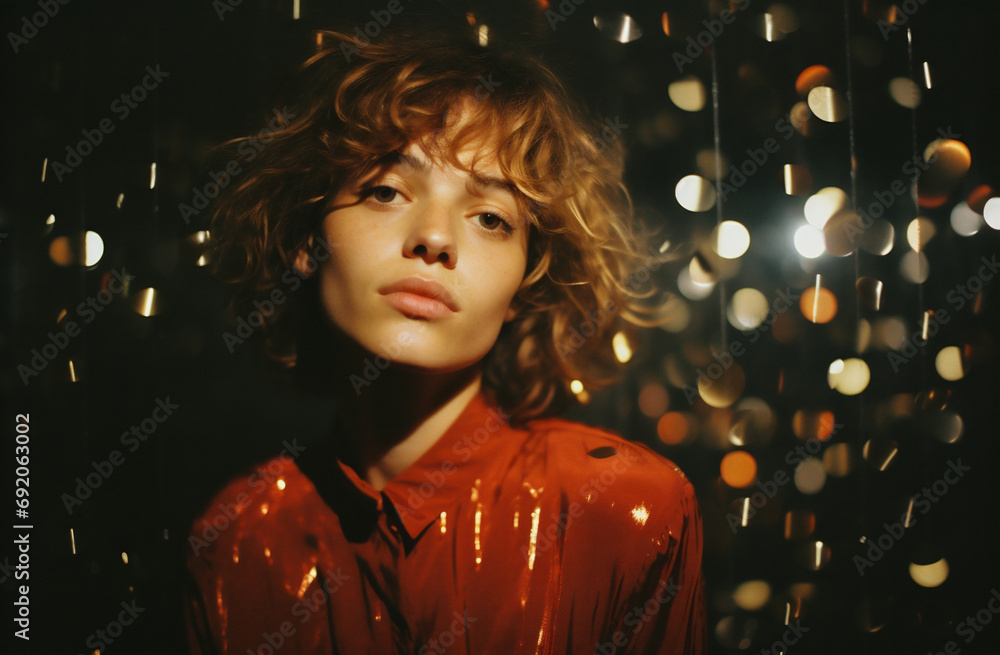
(479, 180)
(484, 181)
(403, 159)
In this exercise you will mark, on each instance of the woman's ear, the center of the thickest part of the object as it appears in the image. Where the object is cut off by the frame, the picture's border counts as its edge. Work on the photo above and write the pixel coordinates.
(303, 262)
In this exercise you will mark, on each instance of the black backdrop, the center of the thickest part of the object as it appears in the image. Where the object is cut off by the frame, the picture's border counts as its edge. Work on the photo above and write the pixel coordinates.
(219, 68)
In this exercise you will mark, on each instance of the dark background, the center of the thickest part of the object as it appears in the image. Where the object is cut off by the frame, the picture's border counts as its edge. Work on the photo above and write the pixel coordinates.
(225, 73)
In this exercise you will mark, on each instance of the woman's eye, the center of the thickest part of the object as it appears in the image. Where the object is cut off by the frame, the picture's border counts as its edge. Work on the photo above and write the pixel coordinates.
(493, 222)
(382, 194)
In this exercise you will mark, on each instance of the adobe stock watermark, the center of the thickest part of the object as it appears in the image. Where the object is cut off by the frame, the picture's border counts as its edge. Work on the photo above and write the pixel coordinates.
(122, 107)
(304, 609)
(464, 448)
(767, 490)
(258, 481)
(101, 639)
(611, 131)
(373, 367)
(903, 13)
(958, 296)
(912, 168)
(970, 628)
(791, 636)
(6, 570)
(561, 13)
(596, 319)
(921, 502)
(248, 150)
(756, 158)
(590, 491)
(784, 301)
(132, 438)
(441, 642)
(31, 25)
(372, 29)
(292, 278)
(701, 42)
(637, 617)
(58, 340)
(223, 7)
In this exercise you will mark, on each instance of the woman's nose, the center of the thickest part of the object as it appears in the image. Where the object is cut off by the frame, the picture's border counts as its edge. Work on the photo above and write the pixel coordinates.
(432, 236)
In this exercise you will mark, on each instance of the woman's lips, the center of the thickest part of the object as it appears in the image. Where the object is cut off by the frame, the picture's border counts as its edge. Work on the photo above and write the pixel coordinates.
(419, 298)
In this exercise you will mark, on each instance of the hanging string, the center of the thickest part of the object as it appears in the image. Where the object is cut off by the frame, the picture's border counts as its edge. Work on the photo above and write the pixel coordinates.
(717, 136)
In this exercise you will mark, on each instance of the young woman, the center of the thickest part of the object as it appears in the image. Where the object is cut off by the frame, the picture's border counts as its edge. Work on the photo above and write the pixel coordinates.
(460, 233)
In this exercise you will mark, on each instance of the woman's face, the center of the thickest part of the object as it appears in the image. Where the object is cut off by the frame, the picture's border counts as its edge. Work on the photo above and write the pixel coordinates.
(426, 259)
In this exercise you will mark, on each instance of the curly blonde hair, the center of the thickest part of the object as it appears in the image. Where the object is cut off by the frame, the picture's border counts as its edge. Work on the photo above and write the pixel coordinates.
(360, 102)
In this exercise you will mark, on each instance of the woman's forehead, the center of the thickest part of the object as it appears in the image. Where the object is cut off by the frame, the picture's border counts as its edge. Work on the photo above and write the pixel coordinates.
(472, 156)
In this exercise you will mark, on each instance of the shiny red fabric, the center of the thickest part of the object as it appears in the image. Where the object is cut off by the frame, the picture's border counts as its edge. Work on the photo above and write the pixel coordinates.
(557, 538)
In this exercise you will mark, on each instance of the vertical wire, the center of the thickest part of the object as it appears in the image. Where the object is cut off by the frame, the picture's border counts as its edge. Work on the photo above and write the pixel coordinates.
(718, 183)
(852, 132)
(916, 208)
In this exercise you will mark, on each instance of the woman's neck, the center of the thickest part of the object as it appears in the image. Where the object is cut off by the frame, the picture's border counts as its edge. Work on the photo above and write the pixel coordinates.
(402, 414)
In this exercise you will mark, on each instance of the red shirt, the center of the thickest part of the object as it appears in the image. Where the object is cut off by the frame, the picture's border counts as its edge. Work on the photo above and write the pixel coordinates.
(556, 538)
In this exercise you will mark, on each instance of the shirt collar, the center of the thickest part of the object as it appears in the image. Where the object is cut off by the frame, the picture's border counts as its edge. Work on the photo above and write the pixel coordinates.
(451, 470)
(447, 472)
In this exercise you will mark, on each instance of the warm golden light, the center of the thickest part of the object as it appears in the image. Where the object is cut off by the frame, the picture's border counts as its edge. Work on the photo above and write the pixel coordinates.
(622, 348)
(721, 389)
(905, 92)
(850, 377)
(694, 193)
(672, 428)
(93, 248)
(818, 305)
(738, 469)
(919, 232)
(930, 575)
(730, 239)
(824, 204)
(688, 93)
(747, 309)
(752, 595)
(949, 363)
(810, 476)
(827, 104)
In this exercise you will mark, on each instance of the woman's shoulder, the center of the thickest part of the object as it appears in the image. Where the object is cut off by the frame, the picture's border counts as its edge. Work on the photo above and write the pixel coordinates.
(249, 505)
(598, 467)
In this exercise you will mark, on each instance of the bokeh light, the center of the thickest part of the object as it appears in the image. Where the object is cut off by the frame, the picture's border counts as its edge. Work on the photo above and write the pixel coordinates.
(747, 309)
(914, 267)
(691, 288)
(730, 239)
(827, 104)
(810, 476)
(694, 193)
(919, 233)
(752, 595)
(688, 93)
(809, 242)
(824, 204)
(93, 249)
(672, 428)
(905, 92)
(991, 213)
(930, 575)
(965, 221)
(818, 305)
(948, 363)
(738, 469)
(621, 346)
(721, 389)
(849, 376)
